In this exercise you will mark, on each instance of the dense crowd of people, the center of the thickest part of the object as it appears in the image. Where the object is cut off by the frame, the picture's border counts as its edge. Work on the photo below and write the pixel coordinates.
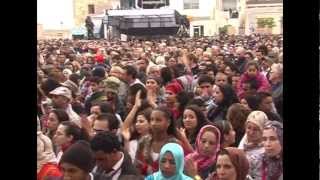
(174, 108)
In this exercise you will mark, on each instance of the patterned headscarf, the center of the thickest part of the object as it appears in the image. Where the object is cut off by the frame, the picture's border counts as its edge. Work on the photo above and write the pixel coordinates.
(204, 161)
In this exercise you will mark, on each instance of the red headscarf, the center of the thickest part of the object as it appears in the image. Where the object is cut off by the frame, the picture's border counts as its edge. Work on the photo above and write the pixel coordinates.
(174, 87)
(203, 161)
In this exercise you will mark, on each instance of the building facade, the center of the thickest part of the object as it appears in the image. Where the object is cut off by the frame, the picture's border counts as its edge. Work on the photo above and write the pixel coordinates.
(263, 9)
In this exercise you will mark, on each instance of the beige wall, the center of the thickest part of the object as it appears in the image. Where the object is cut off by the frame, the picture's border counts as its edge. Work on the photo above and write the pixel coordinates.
(81, 8)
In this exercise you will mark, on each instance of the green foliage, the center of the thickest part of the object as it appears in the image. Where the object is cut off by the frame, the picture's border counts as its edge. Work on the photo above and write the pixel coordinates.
(265, 22)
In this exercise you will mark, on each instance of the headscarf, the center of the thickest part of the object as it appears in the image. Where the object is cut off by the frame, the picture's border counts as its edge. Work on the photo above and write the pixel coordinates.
(240, 162)
(174, 87)
(202, 160)
(258, 118)
(272, 167)
(45, 152)
(177, 153)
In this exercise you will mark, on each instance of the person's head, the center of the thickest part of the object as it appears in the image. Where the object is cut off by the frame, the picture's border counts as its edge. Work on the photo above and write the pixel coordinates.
(232, 164)
(153, 83)
(171, 91)
(224, 95)
(250, 86)
(249, 56)
(265, 101)
(276, 73)
(240, 52)
(105, 122)
(132, 91)
(56, 116)
(171, 62)
(237, 115)
(142, 64)
(116, 71)
(106, 148)
(77, 161)
(99, 71)
(221, 79)
(252, 69)
(154, 70)
(227, 132)
(95, 83)
(61, 97)
(235, 80)
(208, 141)
(75, 78)
(130, 73)
(162, 121)
(142, 122)
(254, 126)
(259, 55)
(251, 101)
(272, 138)
(220, 64)
(68, 132)
(230, 69)
(205, 83)
(166, 74)
(193, 119)
(171, 161)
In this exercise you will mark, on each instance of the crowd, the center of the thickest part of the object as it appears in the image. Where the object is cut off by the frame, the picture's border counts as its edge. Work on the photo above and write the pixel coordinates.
(174, 108)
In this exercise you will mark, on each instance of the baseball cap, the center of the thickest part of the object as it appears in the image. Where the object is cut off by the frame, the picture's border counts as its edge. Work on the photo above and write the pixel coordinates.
(62, 91)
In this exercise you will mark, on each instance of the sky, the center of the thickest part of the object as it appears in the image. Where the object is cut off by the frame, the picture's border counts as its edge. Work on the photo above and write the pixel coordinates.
(50, 13)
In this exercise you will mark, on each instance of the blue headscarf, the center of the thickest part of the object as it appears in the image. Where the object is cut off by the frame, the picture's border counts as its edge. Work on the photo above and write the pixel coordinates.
(178, 155)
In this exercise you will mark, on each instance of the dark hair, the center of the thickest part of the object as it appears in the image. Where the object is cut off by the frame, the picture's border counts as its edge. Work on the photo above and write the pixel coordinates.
(252, 63)
(133, 90)
(49, 85)
(253, 101)
(205, 79)
(197, 101)
(131, 70)
(166, 75)
(74, 78)
(212, 67)
(106, 141)
(261, 96)
(147, 114)
(74, 130)
(263, 49)
(61, 115)
(106, 107)
(250, 54)
(169, 116)
(113, 122)
(201, 121)
(179, 70)
(229, 95)
(232, 66)
(253, 83)
(224, 128)
(183, 98)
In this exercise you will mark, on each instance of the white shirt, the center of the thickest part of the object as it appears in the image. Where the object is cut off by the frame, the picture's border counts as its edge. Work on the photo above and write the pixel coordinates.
(137, 81)
(115, 168)
(133, 146)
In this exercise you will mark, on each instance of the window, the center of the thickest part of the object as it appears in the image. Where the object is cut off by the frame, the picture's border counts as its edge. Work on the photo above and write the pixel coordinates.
(198, 31)
(91, 9)
(191, 4)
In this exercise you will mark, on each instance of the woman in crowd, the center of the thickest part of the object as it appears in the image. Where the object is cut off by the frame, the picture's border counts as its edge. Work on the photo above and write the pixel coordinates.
(202, 161)
(171, 163)
(252, 143)
(46, 159)
(272, 139)
(193, 120)
(135, 126)
(67, 134)
(227, 133)
(155, 96)
(224, 97)
(56, 116)
(237, 115)
(162, 131)
(232, 164)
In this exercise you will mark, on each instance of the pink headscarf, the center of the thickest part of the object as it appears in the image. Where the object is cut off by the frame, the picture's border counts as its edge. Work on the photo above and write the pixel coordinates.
(201, 160)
